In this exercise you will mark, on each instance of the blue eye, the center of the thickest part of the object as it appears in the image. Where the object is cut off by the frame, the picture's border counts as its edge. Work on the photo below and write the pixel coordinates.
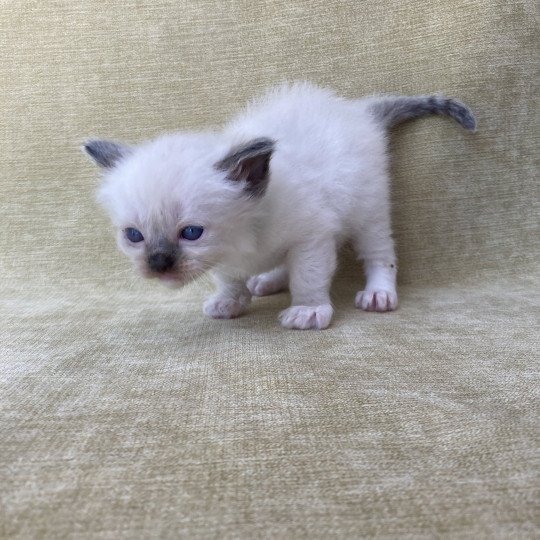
(191, 232)
(133, 235)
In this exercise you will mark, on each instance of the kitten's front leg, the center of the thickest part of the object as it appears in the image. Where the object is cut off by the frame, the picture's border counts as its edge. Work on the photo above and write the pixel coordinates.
(231, 299)
(311, 267)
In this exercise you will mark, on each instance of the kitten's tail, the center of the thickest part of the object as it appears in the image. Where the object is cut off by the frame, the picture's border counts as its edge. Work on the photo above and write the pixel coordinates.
(392, 110)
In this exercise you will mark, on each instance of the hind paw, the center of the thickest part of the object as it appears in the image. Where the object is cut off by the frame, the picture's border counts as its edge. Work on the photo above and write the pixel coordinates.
(267, 283)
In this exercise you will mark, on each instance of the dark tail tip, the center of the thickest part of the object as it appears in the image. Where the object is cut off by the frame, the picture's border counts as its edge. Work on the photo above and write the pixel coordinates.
(393, 110)
(461, 114)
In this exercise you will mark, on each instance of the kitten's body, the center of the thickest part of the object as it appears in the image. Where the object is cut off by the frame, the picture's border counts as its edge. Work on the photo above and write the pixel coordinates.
(278, 191)
(328, 169)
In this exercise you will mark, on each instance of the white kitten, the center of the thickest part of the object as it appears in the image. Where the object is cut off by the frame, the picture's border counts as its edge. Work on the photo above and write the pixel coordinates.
(277, 191)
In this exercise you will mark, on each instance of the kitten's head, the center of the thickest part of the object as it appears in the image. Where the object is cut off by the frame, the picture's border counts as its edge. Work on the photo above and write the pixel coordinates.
(183, 203)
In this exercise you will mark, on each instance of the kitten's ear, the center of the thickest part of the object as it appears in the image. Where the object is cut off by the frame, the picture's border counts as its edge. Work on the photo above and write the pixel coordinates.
(249, 163)
(106, 153)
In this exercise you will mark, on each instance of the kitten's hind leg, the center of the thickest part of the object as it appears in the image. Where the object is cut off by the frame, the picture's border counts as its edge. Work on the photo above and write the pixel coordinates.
(311, 267)
(271, 282)
(375, 246)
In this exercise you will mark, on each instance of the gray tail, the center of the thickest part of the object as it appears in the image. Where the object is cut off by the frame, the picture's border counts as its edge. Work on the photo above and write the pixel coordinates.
(392, 110)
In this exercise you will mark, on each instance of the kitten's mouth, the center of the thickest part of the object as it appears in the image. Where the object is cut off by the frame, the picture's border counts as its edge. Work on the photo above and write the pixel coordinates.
(168, 277)
(174, 279)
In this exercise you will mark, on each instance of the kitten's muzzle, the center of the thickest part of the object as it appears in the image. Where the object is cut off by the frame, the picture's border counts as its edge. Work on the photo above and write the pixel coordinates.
(161, 262)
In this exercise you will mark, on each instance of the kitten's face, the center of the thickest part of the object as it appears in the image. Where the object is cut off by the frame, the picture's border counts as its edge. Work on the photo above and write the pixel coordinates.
(182, 204)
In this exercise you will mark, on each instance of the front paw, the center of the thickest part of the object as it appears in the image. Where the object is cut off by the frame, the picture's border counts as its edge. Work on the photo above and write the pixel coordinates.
(306, 317)
(225, 307)
(376, 300)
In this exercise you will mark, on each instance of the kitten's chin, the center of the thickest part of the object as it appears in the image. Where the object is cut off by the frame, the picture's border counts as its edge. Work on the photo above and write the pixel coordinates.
(172, 281)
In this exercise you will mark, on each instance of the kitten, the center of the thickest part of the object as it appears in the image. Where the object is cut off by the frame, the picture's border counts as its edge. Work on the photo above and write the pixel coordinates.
(272, 196)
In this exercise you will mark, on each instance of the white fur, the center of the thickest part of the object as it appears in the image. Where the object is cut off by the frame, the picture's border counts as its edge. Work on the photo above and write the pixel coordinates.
(328, 184)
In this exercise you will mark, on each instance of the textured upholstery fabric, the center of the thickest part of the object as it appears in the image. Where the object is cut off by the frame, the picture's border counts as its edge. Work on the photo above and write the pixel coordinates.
(127, 414)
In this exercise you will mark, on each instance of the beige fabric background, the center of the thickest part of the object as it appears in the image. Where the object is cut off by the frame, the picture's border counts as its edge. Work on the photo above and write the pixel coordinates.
(126, 414)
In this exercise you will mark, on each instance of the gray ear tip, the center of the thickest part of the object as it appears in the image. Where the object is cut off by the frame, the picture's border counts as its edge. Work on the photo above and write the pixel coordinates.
(265, 144)
(89, 146)
(105, 153)
(92, 147)
(260, 145)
